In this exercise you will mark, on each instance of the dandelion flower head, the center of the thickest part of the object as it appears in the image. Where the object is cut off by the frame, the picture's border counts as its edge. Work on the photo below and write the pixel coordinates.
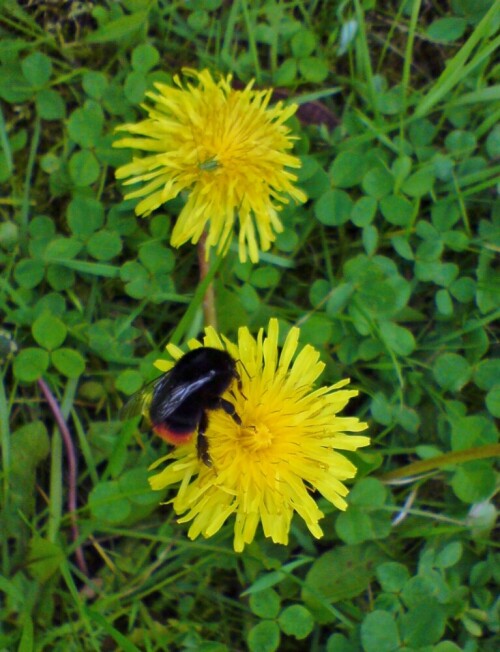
(227, 148)
(287, 445)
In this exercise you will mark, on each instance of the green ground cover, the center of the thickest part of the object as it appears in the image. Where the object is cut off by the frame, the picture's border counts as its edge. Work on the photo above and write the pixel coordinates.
(390, 269)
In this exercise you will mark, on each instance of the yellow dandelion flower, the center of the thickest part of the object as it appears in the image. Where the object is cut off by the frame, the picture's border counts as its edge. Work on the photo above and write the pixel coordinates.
(227, 148)
(287, 445)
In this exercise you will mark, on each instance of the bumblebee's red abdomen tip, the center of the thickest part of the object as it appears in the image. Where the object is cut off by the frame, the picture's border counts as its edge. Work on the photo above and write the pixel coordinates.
(175, 438)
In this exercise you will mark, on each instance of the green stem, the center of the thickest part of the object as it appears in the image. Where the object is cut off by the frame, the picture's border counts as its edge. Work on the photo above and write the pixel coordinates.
(56, 466)
(364, 59)
(440, 461)
(5, 144)
(408, 59)
(56, 499)
(25, 206)
(5, 443)
(251, 40)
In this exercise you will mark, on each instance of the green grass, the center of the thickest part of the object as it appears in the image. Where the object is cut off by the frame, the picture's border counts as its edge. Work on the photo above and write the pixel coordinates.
(389, 270)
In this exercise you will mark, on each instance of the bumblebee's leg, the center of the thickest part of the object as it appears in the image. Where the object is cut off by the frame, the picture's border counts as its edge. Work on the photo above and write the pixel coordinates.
(202, 441)
(219, 403)
(239, 383)
(229, 408)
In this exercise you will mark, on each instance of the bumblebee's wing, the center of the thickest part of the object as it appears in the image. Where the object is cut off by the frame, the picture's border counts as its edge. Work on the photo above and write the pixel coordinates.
(139, 402)
(168, 396)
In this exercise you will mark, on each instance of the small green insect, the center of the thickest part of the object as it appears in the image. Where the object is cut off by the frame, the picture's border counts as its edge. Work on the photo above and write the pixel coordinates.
(209, 165)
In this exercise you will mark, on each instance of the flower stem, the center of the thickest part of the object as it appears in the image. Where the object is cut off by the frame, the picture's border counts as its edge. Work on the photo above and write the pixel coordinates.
(209, 309)
(440, 461)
